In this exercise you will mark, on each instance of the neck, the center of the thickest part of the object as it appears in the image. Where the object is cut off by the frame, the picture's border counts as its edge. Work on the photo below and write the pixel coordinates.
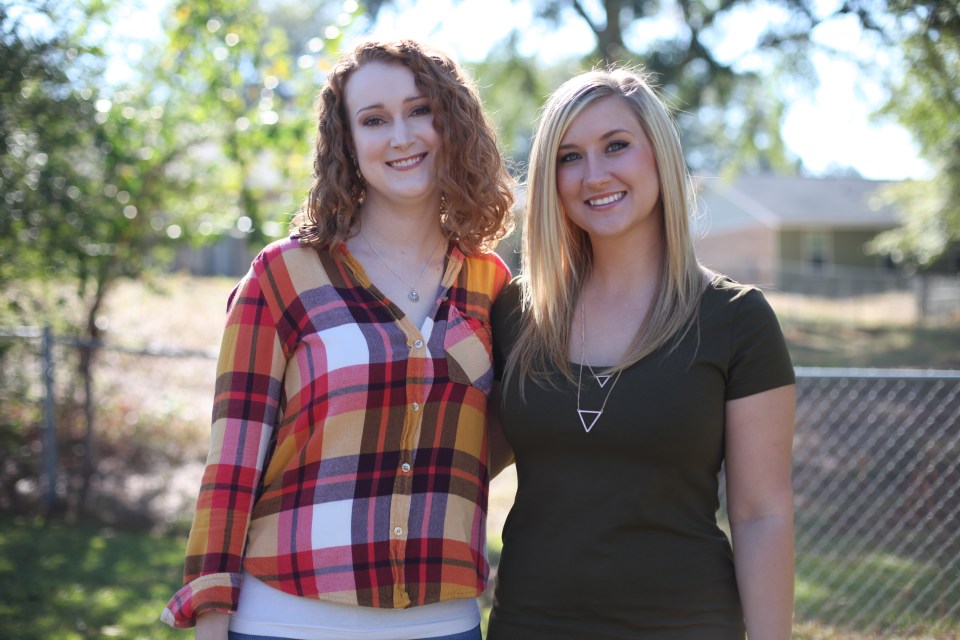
(425, 207)
(626, 263)
(410, 231)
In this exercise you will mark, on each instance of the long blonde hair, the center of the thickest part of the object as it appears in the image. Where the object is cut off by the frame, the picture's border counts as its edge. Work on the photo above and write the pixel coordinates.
(557, 256)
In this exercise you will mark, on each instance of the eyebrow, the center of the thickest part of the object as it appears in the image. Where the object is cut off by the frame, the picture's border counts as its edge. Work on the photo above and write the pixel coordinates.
(379, 105)
(607, 135)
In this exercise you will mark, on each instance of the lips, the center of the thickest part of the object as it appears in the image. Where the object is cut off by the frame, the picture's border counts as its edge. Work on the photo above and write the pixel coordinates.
(607, 199)
(406, 163)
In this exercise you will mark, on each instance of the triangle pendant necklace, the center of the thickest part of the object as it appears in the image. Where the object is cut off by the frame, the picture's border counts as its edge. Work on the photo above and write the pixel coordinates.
(589, 417)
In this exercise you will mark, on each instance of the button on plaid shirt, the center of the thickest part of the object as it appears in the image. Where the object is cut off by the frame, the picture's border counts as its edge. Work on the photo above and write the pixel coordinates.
(371, 432)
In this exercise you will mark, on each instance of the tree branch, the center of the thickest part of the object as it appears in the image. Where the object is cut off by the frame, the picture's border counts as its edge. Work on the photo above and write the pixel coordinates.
(586, 18)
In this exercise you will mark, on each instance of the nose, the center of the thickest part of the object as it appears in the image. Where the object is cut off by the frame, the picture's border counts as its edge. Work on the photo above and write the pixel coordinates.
(401, 135)
(597, 174)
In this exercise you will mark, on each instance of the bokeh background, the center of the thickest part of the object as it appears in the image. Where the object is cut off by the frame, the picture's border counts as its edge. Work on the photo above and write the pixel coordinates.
(148, 149)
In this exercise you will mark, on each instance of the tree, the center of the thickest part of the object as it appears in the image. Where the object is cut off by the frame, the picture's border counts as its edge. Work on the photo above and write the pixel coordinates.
(251, 92)
(48, 129)
(88, 175)
(513, 87)
(722, 72)
(104, 181)
(85, 170)
(925, 99)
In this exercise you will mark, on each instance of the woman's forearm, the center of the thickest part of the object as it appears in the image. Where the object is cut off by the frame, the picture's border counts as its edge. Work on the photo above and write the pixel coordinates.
(763, 556)
(213, 625)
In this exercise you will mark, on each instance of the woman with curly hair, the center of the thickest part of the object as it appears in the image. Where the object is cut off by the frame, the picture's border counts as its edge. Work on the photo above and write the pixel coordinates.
(345, 491)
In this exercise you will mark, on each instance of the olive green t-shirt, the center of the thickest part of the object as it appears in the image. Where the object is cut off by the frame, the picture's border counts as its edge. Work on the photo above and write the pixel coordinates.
(613, 532)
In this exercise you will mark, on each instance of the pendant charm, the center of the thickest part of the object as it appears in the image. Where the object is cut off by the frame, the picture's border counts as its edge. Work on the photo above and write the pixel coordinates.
(602, 380)
(413, 296)
(587, 415)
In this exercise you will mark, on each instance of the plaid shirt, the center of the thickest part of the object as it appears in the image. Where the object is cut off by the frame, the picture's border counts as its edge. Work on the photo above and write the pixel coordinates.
(372, 434)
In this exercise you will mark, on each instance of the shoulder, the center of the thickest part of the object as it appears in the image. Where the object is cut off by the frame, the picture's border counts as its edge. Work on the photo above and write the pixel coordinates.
(741, 311)
(488, 260)
(726, 287)
(277, 249)
(743, 321)
(486, 272)
(279, 254)
(725, 294)
(285, 269)
(282, 246)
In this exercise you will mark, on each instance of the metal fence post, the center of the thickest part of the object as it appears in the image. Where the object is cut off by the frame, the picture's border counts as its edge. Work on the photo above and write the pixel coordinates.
(923, 297)
(49, 424)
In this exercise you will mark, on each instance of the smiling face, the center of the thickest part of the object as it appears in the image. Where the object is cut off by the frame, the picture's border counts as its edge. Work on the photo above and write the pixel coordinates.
(394, 141)
(607, 178)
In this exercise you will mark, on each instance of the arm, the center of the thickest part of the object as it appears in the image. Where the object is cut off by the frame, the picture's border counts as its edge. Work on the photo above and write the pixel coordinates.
(213, 625)
(500, 455)
(759, 439)
(505, 318)
(249, 374)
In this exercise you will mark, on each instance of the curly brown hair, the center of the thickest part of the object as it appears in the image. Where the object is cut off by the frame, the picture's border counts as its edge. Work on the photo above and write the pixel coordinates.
(473, 179)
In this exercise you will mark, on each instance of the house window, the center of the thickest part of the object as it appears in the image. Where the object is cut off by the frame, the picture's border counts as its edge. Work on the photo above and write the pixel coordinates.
(816, 250)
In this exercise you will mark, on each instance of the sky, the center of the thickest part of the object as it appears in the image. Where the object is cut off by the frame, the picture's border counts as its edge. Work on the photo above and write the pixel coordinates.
(827, 128)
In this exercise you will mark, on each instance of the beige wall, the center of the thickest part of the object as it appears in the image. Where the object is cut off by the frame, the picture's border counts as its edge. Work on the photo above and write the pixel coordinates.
(747, 255)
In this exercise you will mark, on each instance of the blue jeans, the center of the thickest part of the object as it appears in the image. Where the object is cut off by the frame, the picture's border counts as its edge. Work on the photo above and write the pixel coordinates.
(473, 634)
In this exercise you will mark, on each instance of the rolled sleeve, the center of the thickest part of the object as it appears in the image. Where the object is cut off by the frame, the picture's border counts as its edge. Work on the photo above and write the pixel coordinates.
(213, 592)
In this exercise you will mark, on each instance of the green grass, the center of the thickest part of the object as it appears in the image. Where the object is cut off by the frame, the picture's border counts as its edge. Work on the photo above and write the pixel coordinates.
(877, 592)
(73, 582)
(883, 330)
(835, 345)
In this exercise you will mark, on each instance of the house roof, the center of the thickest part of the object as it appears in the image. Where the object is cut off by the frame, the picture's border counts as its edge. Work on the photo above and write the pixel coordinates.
(794, 202)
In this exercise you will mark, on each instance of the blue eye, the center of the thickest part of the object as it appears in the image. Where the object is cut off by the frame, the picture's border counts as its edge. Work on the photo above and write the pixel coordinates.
(568, 157)
(617, 145)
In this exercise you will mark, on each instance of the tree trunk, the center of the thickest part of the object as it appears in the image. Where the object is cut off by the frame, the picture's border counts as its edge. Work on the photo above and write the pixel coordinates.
(88, 352)
(610, 38)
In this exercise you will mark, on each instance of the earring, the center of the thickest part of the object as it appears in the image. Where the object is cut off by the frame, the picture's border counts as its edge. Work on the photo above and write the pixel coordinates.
(443, 204)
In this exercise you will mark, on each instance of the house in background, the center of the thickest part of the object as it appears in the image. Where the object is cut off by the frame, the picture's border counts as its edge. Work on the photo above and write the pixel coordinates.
(794, 232)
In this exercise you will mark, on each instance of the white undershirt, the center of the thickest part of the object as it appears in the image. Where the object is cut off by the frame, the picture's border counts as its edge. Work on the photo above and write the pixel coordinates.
(263, 610)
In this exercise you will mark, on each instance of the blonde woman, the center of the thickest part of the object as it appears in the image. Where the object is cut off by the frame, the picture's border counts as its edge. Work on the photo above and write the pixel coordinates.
(630, 374)
(345, 492)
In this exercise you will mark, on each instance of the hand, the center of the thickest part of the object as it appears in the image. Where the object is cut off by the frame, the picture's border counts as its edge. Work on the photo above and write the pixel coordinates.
(213, 625)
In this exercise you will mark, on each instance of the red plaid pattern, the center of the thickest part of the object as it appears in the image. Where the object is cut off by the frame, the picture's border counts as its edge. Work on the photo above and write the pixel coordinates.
(348, 449)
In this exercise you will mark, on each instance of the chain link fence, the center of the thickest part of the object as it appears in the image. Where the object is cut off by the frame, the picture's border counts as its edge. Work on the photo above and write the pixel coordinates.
(141, 463)
(877, 485)
(876, 479)
(876, 472)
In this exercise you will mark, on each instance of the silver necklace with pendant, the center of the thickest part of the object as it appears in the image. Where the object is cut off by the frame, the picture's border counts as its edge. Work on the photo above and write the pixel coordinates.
(589, 417)
(413, 295)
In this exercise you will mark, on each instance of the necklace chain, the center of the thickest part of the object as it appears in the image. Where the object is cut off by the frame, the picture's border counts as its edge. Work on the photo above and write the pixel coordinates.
(413, 295)
(589, 417)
